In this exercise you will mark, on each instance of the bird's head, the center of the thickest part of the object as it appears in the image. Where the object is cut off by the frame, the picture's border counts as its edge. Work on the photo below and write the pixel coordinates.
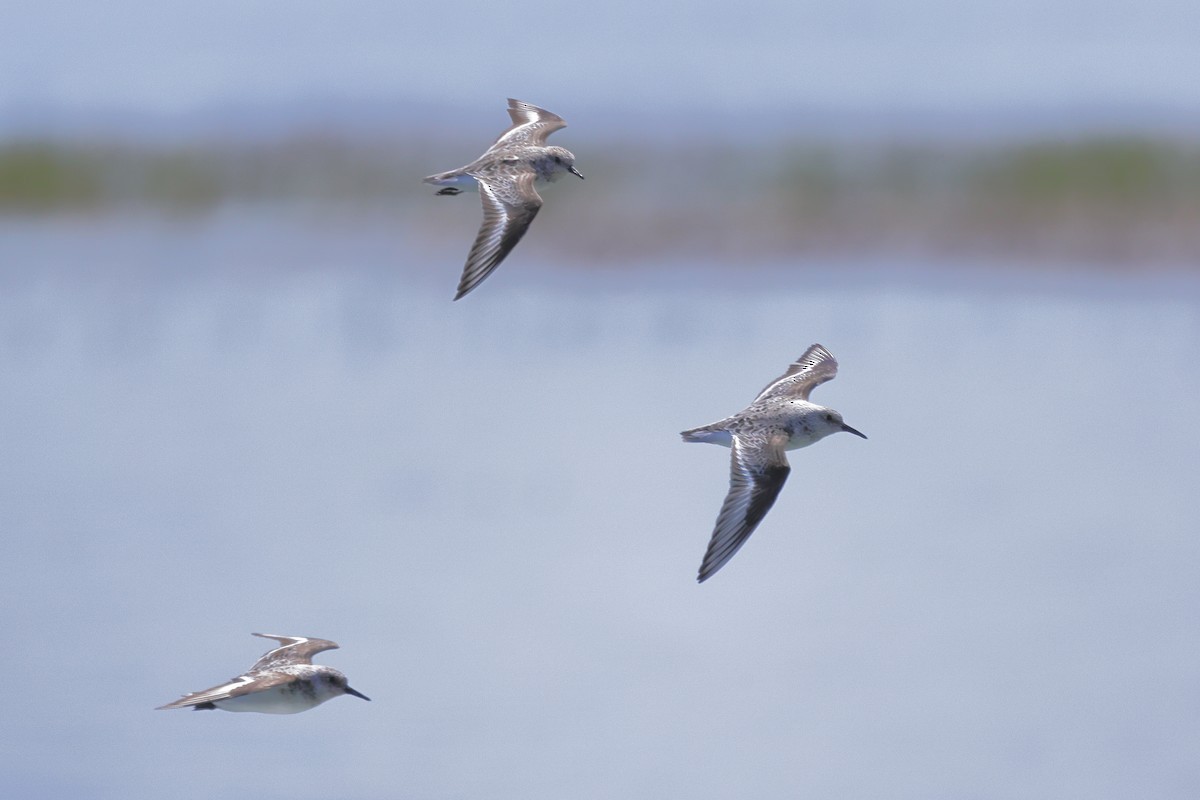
(829, 421)
(562, 160)
(340, 685)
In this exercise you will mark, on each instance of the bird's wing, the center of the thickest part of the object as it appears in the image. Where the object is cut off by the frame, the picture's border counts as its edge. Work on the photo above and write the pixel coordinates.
(244, 684)
(758, 470)
(293, 650)
(531, 125)
(509, 204)
(804, 374)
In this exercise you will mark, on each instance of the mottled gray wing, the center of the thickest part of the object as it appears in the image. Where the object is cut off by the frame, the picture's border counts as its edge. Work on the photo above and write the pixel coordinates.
(509, 205)
(531, 125)
(243, 684)
(758, 470)
(807, 372)
(295, 650)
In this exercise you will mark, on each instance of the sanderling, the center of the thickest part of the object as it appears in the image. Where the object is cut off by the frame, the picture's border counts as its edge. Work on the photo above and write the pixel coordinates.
(779, 419)
(504, 177)
(283, 681)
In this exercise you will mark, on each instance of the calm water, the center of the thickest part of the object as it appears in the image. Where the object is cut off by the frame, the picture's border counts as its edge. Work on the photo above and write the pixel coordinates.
(235, 425)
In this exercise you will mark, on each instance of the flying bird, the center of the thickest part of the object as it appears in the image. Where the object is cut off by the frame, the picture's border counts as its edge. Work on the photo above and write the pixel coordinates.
(504, 176)
(283, 681)
(781, 418)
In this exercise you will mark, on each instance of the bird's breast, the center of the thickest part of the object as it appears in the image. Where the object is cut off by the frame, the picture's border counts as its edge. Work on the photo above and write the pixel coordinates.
(271, 701)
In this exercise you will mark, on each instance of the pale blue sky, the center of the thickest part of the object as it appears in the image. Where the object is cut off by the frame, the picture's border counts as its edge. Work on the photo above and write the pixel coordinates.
(153, 56)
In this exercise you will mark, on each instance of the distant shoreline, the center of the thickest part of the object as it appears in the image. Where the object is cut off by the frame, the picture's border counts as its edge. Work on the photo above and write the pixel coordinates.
(1122, 202)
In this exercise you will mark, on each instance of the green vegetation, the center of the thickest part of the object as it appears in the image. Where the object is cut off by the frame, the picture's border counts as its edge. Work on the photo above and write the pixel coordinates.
(42, 177)
(1112, 199)
(1106, 200)
(46, 178)
(1116, 173)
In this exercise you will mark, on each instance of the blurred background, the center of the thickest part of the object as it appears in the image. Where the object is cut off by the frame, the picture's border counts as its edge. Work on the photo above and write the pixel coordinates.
(235, 396)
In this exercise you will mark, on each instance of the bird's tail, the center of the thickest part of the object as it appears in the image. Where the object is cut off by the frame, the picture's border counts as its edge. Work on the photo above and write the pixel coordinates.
(454, 177)
(705, 434)
(453, 182)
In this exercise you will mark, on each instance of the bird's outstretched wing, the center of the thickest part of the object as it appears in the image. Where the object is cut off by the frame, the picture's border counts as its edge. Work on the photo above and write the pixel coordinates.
(293, 650)
(509, 205)
(243, 684)
(807, 372)
(758, 470)
(531, 125)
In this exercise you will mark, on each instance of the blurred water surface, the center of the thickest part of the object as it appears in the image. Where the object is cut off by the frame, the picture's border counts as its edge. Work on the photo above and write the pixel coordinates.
(251, 422)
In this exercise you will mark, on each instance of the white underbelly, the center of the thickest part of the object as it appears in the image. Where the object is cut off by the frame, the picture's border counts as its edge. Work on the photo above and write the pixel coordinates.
(271, 701)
